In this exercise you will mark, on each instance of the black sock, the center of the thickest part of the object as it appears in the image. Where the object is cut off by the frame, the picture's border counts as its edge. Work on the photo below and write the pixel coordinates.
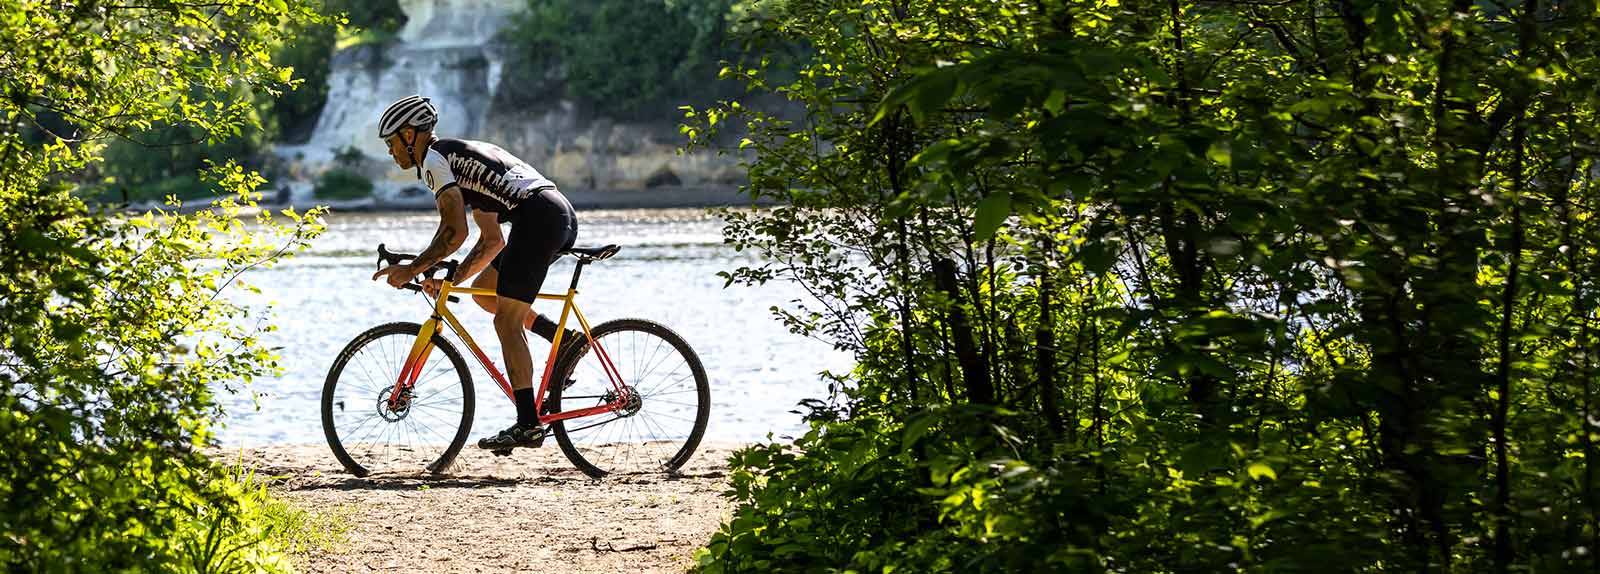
(526, 417)
(544, 327)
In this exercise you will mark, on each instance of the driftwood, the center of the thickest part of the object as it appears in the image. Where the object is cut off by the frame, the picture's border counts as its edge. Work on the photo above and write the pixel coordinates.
(594, 543)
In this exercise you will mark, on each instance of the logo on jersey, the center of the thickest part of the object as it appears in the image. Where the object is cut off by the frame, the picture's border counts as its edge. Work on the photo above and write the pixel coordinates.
(473, 175)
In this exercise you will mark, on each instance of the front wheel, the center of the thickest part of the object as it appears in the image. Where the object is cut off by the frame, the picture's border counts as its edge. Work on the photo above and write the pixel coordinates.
(424, 430)
(661, 424)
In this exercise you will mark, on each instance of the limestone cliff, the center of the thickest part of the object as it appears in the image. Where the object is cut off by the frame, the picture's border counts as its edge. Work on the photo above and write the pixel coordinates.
(448, 52)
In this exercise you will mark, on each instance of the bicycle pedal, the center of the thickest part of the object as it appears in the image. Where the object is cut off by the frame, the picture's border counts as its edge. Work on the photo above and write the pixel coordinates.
(501, 452)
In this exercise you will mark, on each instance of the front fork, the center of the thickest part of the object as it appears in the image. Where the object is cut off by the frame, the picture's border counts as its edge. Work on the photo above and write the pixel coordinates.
(414, 362)
(419, 350)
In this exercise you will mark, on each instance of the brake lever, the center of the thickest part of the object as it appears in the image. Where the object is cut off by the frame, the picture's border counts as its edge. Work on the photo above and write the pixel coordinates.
(392, 258)
(418, 288)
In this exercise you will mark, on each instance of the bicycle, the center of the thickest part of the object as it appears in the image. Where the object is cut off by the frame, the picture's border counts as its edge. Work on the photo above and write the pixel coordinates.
(368, 384)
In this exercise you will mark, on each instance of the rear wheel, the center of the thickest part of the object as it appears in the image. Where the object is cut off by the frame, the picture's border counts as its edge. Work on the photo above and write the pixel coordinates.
(661, 424)
(423, 430)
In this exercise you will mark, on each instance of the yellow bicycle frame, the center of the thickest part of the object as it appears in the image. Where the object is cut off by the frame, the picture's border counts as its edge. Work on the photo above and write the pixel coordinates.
(441, 314)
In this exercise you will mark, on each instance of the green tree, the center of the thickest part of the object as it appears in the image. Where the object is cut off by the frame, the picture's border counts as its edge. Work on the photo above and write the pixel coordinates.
(116, 327)
(294, 113)
(1180, 287)
(626, 58)
(164, 158)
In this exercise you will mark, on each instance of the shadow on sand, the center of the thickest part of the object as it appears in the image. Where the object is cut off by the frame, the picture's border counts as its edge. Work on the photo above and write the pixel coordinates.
(420, 481)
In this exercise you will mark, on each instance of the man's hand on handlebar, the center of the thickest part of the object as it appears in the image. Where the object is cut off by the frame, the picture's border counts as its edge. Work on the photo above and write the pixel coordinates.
(432, 286)
(399, 275)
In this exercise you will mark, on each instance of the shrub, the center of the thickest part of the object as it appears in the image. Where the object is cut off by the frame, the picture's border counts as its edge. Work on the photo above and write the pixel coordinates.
(252, 530)
(116, 330)
(342, 184)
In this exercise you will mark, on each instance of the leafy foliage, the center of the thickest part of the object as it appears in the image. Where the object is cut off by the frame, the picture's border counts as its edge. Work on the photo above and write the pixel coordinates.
(116, 327)
(626, 57)
(343, 184)
(294, 113)
(1180, 287)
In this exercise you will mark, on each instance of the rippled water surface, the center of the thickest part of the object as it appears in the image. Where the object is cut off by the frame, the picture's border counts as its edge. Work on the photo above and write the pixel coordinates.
(666, 272)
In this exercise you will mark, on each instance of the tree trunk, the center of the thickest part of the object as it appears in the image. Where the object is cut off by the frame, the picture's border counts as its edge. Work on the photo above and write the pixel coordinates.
(1045, 342)
(1501, 508)
(980, 389)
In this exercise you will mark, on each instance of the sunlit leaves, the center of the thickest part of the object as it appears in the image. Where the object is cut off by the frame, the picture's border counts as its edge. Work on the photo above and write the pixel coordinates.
(118, 326)
(1251, 296)
(992, 213)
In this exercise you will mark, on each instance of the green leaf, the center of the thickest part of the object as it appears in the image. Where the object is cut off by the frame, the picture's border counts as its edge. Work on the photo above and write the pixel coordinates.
(992, 213)
(1221, 152)
(1269, 516)
(916, 429)
(931, 92)
(1260, 469)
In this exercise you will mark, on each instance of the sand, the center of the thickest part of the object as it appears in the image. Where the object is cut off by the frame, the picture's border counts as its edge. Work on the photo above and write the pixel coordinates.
(529, 512)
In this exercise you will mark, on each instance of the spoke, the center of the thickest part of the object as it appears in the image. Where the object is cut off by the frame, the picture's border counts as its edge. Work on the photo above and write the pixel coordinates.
(675, 417)
(665, 438)
(370, 432)
(667, 381)
(664, 358)
(694, 389)
(367, 453)
(429, 415)
(690, 405)
(429, 428)
(587, 426)
(646, 361)
(436, 404)
(596, 397)
(372, 384)
(442, 389)
(437, 372)
(362, 423)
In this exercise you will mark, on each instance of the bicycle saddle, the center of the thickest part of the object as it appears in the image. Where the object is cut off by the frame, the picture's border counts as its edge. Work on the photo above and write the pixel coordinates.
(593, 253)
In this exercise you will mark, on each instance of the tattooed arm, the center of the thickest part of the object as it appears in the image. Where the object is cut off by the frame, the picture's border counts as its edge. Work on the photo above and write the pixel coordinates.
(490, 241)
(452, 233)
(452, 229)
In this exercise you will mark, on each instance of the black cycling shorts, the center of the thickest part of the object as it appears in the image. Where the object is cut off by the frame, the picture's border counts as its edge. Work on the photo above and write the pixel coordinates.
(541, 228)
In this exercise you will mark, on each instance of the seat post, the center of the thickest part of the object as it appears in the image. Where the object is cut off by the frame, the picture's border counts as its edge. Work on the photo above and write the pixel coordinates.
(578, 271)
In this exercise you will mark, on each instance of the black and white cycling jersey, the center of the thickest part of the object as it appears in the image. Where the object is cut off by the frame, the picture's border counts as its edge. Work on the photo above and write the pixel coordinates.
(490, 178)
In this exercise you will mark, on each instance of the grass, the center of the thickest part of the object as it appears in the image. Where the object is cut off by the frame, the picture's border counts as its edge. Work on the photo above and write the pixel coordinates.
(262, 533)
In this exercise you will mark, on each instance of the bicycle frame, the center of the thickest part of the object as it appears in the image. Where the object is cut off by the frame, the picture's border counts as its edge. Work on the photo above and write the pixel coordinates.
(441, 314)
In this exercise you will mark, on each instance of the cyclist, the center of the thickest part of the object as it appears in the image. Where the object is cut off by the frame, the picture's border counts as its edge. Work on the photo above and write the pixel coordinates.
(496, 187)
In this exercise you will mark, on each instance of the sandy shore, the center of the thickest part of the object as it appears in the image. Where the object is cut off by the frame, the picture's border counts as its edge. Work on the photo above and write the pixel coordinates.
(528, 512)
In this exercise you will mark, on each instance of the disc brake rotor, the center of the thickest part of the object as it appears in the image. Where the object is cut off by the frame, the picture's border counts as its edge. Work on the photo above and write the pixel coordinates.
(629, 407)
(401, 408)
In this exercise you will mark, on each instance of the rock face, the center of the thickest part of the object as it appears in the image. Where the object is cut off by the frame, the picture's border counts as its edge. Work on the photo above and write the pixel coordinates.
(448, 52)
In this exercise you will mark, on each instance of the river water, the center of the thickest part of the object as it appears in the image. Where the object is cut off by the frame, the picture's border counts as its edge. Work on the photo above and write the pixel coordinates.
(666, 271)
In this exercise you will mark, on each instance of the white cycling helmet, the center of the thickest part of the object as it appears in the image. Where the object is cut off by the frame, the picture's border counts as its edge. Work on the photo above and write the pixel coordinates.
(413, 111)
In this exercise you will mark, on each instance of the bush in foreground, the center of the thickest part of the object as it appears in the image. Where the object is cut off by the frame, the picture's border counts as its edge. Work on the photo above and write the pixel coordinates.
(117, 328)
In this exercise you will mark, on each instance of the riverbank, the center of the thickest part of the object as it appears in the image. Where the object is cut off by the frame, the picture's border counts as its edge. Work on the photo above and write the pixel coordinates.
(530, 512)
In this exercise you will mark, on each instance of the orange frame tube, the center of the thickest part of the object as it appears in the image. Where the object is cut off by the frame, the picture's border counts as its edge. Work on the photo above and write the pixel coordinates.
(441, 314)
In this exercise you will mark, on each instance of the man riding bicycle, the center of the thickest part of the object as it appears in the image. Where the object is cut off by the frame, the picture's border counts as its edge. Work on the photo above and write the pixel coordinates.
(496, 187)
